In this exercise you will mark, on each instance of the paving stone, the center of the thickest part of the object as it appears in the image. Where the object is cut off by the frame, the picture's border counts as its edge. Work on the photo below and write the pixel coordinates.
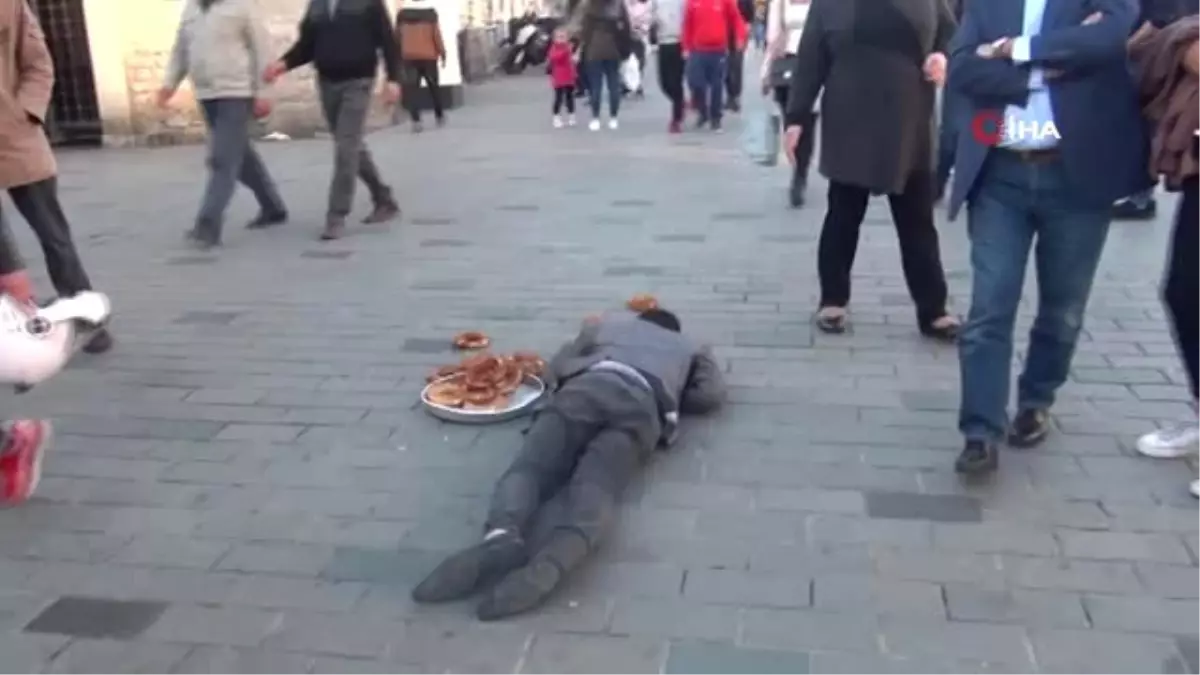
(1136, 615)
(24, 653)
(96, 656)
(1124, 546)
(471, 648)
(168, 551)
(716, 657)
(674, 619)
(337, 635)
(1044, 609)
(427, 346)
(97, 618)
(1189, 648)
(563, 653)
(327, 255)
(213, 659)
(207, 318)
(382, 567)
(1169, 581)
(985, 642)
(872, 595)
(1095, 651)
(734, 587)
(283, 559)
(809, 630)
(235, 627)
(911, 506)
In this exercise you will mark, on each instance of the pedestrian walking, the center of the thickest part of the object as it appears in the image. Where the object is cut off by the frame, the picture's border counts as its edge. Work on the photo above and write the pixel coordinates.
(607, 41)
(735, 73)
(785, 23)
(563, 77)
(222, 45)
(709, 26)
(1073, 142)
(1168, 66)
(27, 166)
(419, 44)
(668, 26)
(641, 20)
(876, 140)
(619, 388)
(345, 40)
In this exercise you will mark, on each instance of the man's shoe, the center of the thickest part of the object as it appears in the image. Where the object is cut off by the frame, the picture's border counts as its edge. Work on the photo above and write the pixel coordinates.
(417, 127)
(1171, 442)
(100, 342)
(199, 241)
(21, 459)
(734, 105)
(1128, 209)
(522, 590)
(674, 128)
(441, 122)
(1029, 428)
(977, 458)
(265, 219)
(382, 213)
(796, 194)
(702, 122)
(335, 228)
(463, 573)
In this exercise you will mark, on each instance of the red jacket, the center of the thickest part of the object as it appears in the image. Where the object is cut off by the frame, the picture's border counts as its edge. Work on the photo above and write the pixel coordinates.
(562, 65)
(712, 26)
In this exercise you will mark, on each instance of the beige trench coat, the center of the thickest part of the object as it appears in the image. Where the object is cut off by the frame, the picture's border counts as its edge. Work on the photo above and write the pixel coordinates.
(26, 81)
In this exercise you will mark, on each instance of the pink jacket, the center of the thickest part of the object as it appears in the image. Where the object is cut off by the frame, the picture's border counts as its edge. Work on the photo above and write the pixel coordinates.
(562, 65)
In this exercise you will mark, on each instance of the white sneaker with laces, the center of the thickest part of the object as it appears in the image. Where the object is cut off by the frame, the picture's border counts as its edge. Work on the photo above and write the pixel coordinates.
(1171, 443)
(558, 123)
(594, 125)
(613, 124)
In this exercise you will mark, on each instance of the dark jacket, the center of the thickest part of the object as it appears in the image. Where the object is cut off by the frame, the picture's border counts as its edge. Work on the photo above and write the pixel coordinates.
(1103, 140)
(606, 34)
(877, 109)
(418, 35)
(685, 378)
(347, 45)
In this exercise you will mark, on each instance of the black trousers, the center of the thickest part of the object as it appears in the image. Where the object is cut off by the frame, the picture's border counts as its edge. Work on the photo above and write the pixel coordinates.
(581, 452)
(1181, 289)
(639, 53)
(564, 96)
(10, 257)
(734, 74)
(920, 254)
(670, 77)
(416, 71)
(808, 139)
(39, 205)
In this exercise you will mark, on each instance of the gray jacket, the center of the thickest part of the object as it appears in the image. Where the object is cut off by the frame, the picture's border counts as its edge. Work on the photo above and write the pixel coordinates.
(668, 17)
(685, 378)
(224, 47)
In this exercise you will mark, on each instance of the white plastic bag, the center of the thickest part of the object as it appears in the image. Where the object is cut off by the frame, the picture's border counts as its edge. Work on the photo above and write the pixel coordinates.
(760, 138)
(631, 75)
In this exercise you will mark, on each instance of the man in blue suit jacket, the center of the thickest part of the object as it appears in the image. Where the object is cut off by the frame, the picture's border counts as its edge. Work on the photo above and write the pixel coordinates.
(1071, 144)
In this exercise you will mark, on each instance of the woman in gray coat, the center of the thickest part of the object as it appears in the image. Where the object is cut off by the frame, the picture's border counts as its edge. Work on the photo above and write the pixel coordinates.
(878, 62)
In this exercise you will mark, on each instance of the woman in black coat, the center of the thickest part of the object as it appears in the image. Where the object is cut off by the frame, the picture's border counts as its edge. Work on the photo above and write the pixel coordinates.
(878, 63)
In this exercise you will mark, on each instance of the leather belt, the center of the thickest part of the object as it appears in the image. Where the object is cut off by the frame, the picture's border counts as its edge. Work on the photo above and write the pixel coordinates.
(1040, 156)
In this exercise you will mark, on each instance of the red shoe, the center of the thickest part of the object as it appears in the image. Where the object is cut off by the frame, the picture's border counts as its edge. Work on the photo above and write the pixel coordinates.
(21, 459)
(675, 128)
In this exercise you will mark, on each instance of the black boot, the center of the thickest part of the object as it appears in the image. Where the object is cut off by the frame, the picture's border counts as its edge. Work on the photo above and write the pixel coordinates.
(522, 590)
(463, 573)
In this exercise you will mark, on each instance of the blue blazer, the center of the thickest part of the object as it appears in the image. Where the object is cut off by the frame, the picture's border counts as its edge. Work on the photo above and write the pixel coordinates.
(1102, 137)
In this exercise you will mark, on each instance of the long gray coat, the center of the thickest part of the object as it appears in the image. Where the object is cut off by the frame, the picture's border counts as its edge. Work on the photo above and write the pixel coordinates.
(877, 110)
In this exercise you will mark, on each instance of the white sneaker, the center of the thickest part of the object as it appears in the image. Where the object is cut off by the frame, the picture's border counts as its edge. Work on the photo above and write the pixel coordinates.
(571, 121)
(558, 123)
(1171, 443)
(612, 124)
(1194, 488)
(594, 125)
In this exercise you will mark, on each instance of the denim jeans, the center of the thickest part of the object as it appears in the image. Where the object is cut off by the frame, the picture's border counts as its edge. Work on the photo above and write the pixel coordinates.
(232, 159)
(706, 77)
(1019, 201)
(601, 74)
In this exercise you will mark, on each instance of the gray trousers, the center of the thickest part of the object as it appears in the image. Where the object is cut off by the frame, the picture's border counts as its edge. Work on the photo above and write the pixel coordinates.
(579, 455)
(346, 104)
(232, 158)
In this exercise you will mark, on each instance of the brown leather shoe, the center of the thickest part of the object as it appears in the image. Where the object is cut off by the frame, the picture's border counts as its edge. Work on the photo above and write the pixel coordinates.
(334, 229)
(382, 213)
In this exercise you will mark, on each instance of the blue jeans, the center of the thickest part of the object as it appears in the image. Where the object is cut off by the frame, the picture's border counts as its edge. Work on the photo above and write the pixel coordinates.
(706, 77)
(1017, 201)
(601, 74)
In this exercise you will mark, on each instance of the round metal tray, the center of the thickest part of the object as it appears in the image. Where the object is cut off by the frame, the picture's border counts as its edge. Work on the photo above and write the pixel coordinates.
(522, 403)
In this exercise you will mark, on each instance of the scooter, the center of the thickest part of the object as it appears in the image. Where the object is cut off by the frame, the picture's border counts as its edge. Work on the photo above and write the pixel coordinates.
(34, 346)
(522, 33)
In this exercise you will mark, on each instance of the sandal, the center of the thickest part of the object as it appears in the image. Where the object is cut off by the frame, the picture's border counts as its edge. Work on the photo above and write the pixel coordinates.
(831, 320)
(943, 329)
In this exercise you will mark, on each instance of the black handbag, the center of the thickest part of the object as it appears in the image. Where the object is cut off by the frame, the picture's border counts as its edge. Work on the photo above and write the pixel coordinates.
(781, 71)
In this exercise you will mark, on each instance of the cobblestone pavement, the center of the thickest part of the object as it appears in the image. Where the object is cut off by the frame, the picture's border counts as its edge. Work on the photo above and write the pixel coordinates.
(245, 485)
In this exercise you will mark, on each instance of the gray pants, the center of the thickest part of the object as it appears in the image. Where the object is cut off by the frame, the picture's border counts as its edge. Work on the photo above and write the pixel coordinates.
(346, 104)
(579, 455)
(232, 158)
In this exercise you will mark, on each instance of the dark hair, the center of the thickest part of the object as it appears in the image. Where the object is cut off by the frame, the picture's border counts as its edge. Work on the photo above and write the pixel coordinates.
(661, 318)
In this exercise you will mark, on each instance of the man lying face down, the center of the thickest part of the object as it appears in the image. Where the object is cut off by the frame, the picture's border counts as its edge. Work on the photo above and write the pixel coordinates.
(618, 390)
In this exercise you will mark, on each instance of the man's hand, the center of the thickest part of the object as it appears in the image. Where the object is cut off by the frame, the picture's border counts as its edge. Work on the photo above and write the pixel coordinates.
(262, 108)
(791, 138)
(999, 49)
(163, 98)
(391, 93)
(273, 71)
(935, 68)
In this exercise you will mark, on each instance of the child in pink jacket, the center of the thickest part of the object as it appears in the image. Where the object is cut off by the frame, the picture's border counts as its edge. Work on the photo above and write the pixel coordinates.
(563, 77)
